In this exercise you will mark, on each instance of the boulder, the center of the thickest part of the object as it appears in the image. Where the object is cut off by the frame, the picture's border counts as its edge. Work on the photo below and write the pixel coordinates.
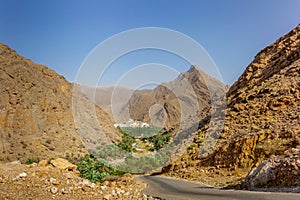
(63, 164)
(261, 175)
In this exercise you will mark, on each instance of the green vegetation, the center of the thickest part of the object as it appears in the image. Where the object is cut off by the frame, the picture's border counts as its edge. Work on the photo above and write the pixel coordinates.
(147, 136)
(71, 158)
(32, 160)
(244, 100)
(150, 148)
(94, 170)
(145, 163)
(274, 146)
(193, 145)
(126, 142)
(159, 141)
(109, 153)
(261, 132)
(131, 154)
(141, 132)
(200, 136)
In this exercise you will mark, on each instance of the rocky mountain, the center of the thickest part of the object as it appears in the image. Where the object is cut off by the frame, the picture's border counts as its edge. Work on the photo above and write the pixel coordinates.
(170, 104)
(261, 123)
(42, 115)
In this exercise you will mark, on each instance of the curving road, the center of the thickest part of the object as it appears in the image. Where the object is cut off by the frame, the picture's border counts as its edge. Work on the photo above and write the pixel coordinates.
(176, 189)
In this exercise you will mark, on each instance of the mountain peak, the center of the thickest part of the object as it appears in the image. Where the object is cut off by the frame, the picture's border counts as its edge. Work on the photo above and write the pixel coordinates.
(193, 68)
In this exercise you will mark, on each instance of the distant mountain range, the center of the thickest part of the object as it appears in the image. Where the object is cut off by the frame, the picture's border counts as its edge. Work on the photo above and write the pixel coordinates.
(167, 105)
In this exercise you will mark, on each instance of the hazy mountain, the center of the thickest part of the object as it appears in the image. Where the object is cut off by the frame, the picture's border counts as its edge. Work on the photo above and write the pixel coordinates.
(112, 99)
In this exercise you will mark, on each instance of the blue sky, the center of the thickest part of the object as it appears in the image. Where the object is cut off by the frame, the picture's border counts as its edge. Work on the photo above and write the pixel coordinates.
(61, 33)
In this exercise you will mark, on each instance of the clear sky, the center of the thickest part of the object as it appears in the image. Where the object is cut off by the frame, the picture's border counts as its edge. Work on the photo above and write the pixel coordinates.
(61, 33)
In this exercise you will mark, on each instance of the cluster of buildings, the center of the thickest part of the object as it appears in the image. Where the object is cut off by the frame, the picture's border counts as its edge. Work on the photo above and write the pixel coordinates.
(132, 123)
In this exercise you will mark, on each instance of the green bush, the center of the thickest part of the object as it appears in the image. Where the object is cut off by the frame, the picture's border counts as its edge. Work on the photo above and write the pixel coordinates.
(159, 141)
(32, 160)
(94, 170)
(146, 134)
(149, 148)
(145, 163)
(193, 145)
(126, 143)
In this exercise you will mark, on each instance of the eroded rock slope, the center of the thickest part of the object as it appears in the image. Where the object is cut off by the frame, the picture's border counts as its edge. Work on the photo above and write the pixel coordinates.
(36, 113)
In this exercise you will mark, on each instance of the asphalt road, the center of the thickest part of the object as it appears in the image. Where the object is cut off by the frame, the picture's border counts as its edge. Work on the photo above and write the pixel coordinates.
(175, 189)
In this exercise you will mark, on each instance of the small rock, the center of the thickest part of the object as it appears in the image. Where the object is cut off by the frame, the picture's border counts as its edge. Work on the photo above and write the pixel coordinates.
(86, 189)
(87, 183)
(54, 181)
(105, 183)
(53, 190)
(107, 197)
(16, 162)
(103, 187)
(64, 191)
(43, 163)
(23, 175)
(32, 165)
(63, 164)
(69, 175)
(112, 184)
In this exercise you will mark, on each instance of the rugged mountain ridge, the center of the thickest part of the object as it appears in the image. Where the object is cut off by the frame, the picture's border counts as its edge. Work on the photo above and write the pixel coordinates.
(36, 113)
(262, 121)
(168, 105)
(175, 102)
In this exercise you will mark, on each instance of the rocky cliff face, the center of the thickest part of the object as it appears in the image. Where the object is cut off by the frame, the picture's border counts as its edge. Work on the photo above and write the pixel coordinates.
(36, 114)
(262, 117)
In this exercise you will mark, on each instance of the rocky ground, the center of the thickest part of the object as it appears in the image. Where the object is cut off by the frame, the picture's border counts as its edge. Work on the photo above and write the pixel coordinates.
(60, 180)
